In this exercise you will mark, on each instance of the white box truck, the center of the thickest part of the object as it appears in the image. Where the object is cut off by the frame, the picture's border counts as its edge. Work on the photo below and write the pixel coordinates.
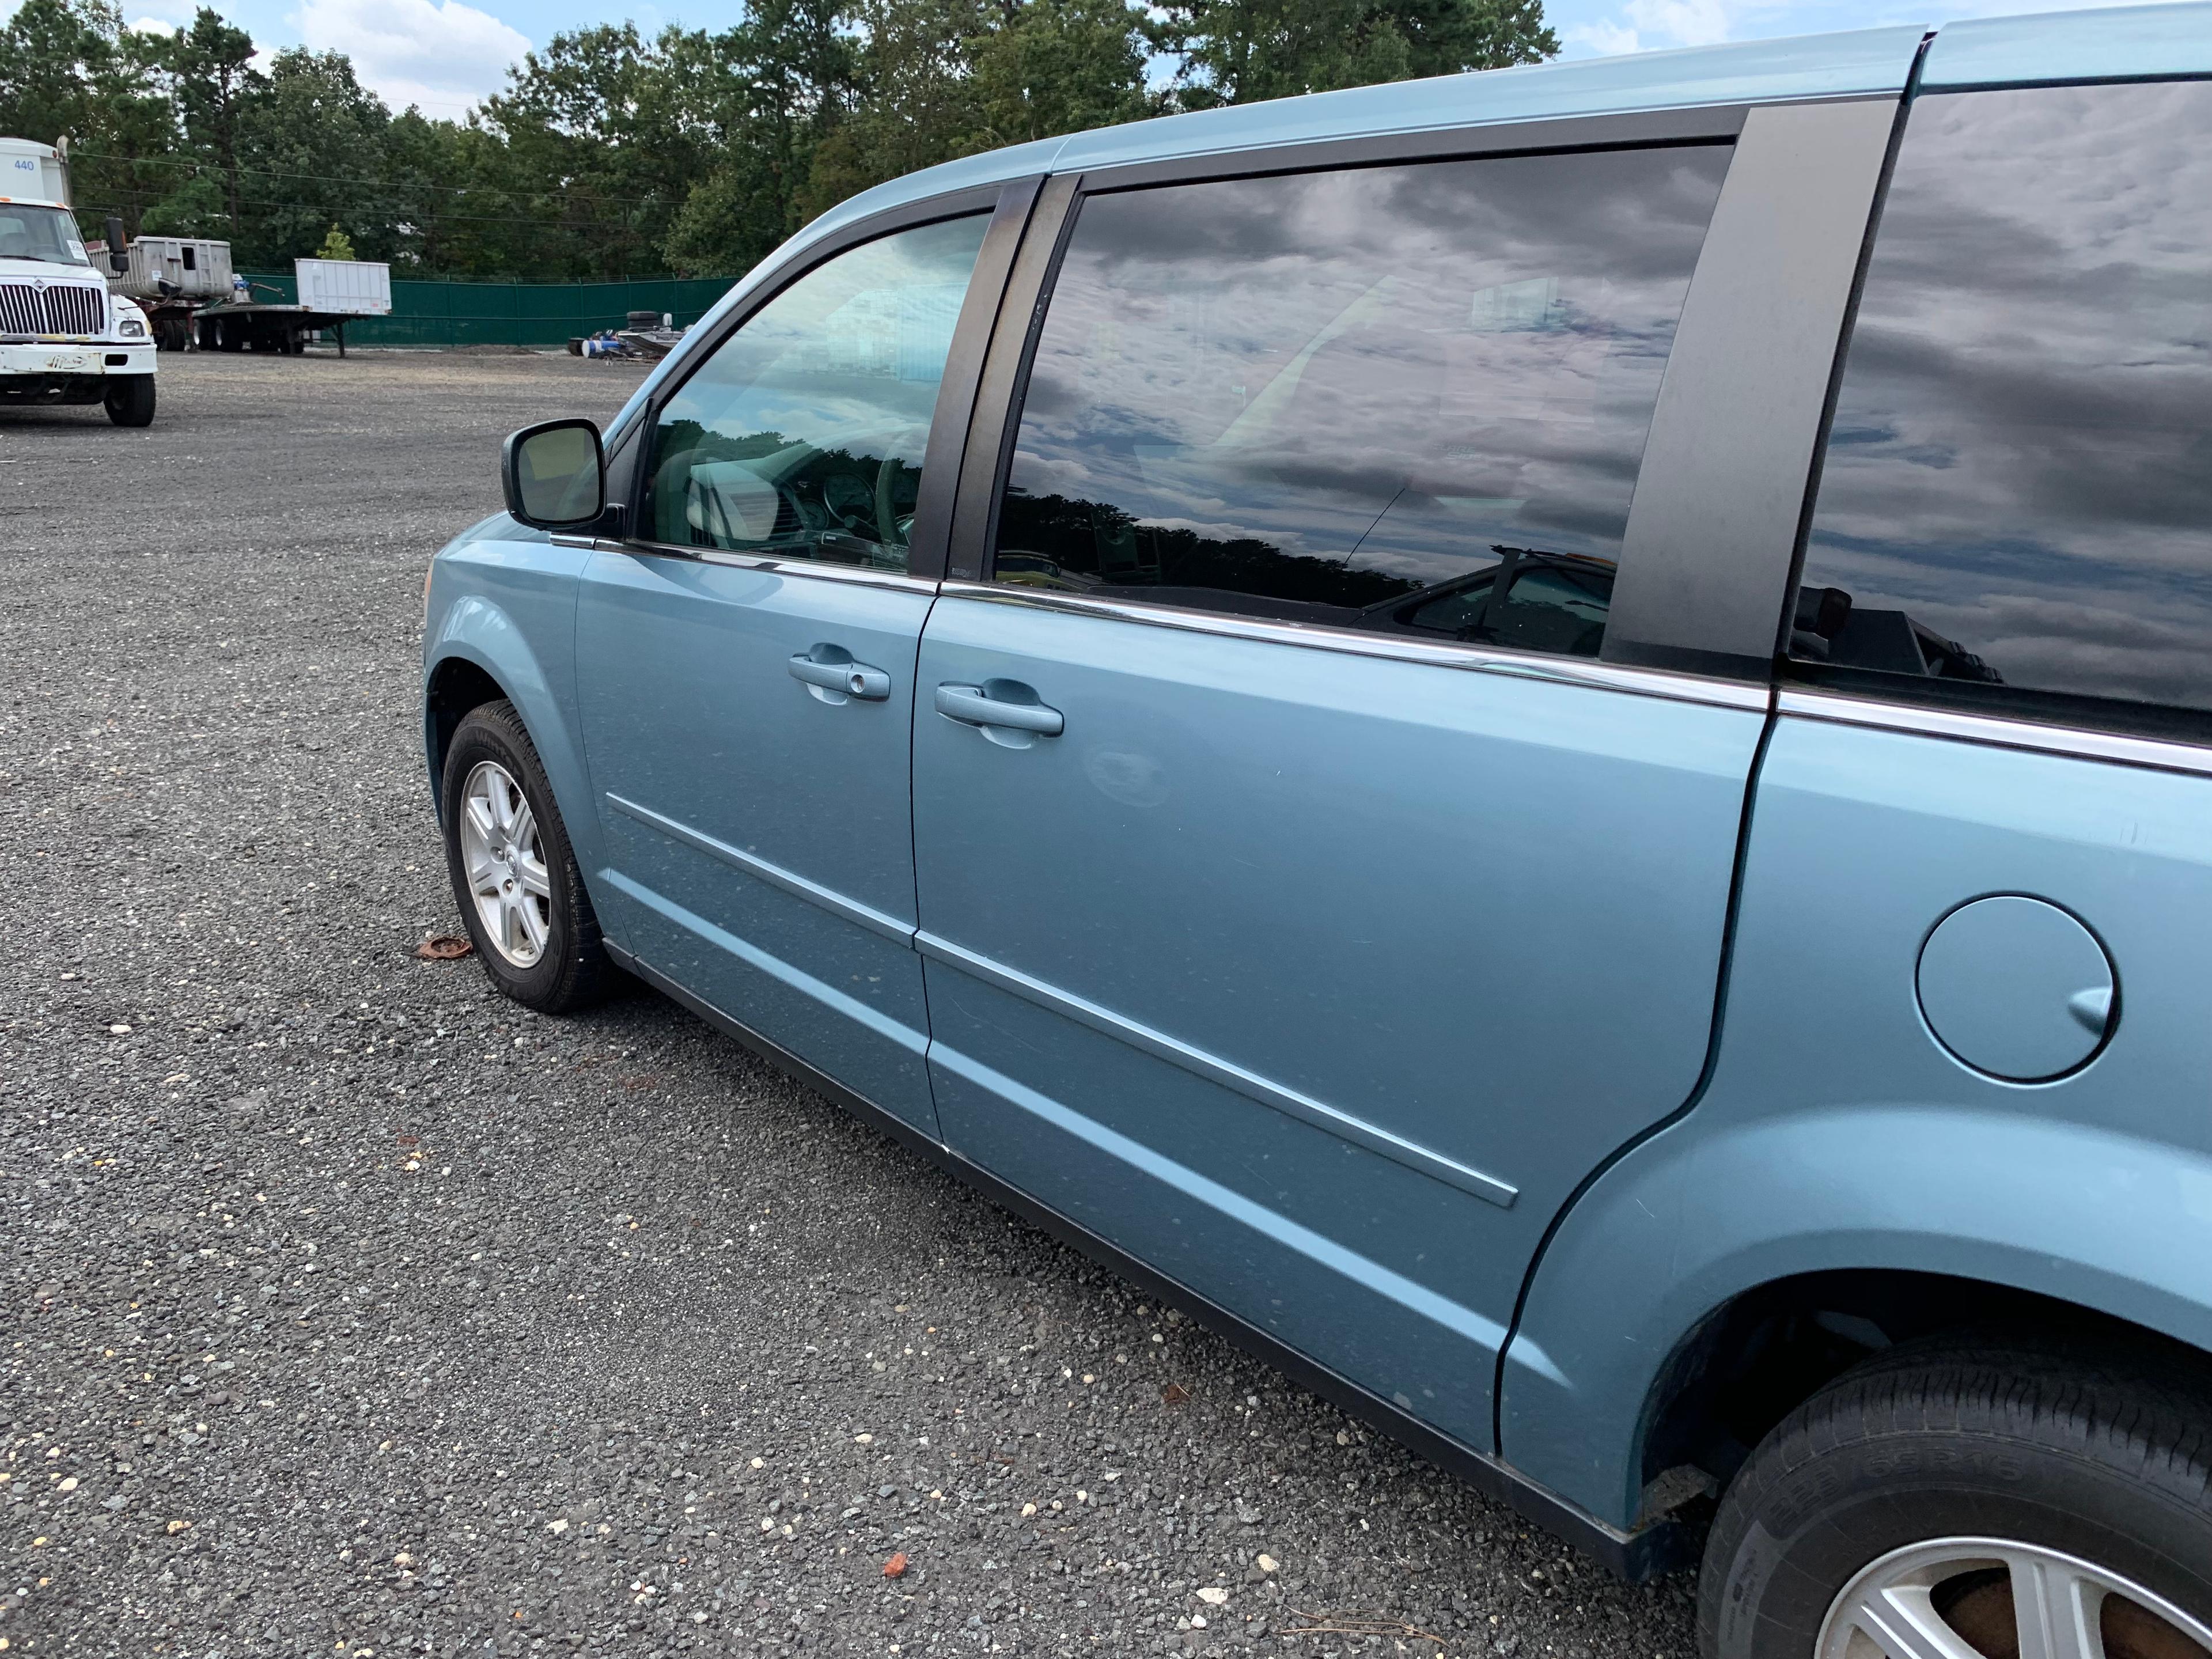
(64, 337)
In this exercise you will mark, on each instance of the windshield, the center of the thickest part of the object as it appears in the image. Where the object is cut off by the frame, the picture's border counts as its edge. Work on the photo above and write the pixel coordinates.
(39, 233)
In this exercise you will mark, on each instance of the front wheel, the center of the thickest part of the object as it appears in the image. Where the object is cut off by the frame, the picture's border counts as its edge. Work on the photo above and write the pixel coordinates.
(1993, 1502)
(129, 400)
(514, 875)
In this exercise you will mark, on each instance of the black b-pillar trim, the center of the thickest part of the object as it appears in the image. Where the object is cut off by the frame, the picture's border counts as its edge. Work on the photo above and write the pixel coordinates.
(992, 429)
(964, 368)
(1712, 530)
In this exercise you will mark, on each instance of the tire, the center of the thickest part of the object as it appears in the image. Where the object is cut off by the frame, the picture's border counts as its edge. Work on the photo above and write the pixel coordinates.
(2093, 1456)
(568, 968)
(129, 400)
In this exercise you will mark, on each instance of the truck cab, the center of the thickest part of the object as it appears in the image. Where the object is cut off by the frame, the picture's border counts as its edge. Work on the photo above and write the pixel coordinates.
(63, 339)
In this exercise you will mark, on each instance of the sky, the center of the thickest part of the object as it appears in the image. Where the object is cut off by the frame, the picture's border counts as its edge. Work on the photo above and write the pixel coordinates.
(445, 55)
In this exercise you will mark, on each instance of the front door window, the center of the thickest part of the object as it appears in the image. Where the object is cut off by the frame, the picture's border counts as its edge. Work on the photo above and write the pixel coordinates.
(802, 436)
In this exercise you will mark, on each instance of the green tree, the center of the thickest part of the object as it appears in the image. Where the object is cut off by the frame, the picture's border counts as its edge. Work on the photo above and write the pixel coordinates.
(603, 151)
(311, 147)
(211, 67)
(940, 79)
(609, 154)
(52, 54)
(770, 91)
(195, 208)
(1057, 66)
(1238, 52)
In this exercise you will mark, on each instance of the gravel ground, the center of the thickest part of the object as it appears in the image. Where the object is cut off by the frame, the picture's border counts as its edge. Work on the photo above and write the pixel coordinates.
(354, 1310)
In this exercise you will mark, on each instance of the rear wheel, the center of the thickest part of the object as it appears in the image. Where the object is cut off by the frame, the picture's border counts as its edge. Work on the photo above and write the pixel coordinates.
(514, 875)
(129, 400)
(2005, 1501)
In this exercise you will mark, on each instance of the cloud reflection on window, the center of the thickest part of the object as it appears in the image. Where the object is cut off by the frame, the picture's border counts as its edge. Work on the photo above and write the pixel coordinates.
(2021, 456)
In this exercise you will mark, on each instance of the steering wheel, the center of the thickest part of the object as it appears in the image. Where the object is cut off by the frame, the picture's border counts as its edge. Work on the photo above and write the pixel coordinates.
(887, 472)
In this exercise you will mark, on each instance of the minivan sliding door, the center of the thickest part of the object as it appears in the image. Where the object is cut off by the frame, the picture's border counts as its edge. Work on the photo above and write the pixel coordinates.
(1308, 898)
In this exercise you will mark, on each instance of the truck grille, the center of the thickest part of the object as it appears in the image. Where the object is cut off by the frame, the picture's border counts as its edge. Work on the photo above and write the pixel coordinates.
(68, 308)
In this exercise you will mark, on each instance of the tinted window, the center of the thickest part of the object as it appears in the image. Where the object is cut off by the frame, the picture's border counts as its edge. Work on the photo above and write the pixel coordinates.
(803, 435)
(1407, 397)
(2017, 496)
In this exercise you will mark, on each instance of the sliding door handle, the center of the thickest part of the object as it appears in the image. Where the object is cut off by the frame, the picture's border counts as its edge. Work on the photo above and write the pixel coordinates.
(828, 668)
(995, 705)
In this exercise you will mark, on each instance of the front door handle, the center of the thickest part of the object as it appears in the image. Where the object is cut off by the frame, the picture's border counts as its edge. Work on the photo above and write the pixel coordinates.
(829, 672)
(1000, 706)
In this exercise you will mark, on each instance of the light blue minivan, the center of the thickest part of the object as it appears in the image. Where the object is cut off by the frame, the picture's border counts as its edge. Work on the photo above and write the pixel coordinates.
(1543, 739)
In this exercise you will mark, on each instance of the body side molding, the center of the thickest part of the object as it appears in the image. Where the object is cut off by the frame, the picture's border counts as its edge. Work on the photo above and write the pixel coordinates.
(1638, 1556)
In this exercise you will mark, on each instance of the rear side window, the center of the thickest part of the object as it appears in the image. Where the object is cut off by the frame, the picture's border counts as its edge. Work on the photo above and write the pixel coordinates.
(1405, 398)
(2016, 503)
(802, 437)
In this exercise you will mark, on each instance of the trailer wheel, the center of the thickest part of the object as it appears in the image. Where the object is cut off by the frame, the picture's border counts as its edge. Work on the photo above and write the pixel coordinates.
(129, 400)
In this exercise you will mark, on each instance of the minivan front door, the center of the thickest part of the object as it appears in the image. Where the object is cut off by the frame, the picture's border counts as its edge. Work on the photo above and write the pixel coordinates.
(746, 667)
(1306, 907)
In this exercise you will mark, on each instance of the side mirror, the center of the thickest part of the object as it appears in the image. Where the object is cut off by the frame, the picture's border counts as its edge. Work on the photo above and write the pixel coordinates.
(555, 475)
(118, 259)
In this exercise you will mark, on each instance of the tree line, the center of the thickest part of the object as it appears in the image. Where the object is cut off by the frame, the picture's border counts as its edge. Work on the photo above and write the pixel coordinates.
(611, 154)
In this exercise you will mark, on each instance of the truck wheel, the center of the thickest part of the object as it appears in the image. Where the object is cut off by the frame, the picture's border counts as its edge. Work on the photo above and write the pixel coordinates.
(1974, 1502)
(513, 873)
(129, 400)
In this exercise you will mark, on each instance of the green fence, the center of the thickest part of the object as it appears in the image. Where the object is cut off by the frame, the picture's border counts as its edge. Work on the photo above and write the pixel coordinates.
(510, 314)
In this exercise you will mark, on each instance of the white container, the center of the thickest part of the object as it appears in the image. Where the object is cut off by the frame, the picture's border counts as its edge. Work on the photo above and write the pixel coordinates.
(32, 172)
(345, 287)
(192, 268)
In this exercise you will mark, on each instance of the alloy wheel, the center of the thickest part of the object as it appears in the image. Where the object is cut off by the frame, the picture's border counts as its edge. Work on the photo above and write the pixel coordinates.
(504, 857)
(1987, 1598)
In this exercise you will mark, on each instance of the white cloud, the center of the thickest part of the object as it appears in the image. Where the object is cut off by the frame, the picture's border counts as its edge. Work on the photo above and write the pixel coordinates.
(162, 16)
(1646, 25)
(443, 55)
(1604, 39)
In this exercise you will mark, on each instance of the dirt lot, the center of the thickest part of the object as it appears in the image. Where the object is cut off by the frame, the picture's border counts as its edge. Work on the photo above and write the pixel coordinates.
(354, 1311)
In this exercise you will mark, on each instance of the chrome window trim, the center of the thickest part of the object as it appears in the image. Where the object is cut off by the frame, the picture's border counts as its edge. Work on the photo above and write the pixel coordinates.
(1566, 671)
(856, 574)
(2079, 743)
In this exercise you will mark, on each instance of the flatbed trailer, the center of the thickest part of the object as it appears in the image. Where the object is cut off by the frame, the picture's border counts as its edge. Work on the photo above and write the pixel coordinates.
(256, 326)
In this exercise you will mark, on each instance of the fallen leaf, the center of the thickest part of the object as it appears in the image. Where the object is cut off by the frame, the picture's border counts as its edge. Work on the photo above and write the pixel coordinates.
(444, 947)
(1174, 1394)
(896, 1566)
